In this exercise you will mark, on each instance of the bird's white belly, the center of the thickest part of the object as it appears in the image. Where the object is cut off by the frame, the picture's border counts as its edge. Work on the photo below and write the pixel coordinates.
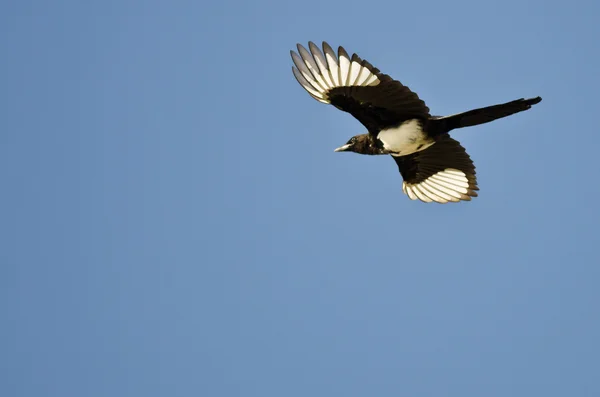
(405, 139)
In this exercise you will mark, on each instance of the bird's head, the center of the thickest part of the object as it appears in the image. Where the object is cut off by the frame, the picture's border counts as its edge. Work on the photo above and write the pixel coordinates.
(362, 144)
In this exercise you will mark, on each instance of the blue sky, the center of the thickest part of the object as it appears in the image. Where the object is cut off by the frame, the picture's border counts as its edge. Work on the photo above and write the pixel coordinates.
(174, 221)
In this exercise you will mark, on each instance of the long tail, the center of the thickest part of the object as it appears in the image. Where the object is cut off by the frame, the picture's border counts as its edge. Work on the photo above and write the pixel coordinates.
(485, 115)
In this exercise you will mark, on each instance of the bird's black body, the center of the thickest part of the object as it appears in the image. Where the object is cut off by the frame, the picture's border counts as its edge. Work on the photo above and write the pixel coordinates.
(435, 167)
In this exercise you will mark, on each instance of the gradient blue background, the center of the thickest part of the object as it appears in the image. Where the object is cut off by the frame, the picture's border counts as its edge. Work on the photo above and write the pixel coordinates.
(174, 221)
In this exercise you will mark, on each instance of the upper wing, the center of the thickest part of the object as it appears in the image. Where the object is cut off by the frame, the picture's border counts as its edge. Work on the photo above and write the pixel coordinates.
(442, 173)
(355, 86)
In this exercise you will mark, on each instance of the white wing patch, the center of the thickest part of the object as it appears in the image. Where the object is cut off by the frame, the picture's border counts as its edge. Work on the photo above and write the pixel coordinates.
(319, 72)
(445, 186)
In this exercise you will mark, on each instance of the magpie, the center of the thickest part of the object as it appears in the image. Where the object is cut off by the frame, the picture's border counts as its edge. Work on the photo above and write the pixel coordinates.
(434, 167)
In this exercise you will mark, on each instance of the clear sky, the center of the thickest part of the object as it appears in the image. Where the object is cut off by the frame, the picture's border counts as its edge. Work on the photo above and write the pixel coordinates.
(174, 221)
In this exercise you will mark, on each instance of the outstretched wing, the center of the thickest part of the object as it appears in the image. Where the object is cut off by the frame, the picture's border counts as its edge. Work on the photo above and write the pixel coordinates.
(442, 173)
(355, 86)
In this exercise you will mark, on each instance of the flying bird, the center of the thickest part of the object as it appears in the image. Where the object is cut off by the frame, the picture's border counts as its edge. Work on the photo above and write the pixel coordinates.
(434, 167)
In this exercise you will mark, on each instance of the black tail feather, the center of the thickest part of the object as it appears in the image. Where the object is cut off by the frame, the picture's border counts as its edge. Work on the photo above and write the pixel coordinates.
(487, 114)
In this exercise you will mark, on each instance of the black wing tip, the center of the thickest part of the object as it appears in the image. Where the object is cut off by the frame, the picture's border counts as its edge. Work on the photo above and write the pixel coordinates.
(343, 53)
(312, 43)
(325, 46)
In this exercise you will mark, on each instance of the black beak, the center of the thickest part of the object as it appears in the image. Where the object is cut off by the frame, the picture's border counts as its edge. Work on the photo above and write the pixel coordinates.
(344, 148)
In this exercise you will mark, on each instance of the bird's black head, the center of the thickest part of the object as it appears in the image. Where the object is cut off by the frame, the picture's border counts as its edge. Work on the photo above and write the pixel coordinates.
(363, 144)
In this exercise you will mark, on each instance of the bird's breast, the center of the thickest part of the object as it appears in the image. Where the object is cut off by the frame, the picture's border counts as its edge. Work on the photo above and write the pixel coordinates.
(406, 138)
